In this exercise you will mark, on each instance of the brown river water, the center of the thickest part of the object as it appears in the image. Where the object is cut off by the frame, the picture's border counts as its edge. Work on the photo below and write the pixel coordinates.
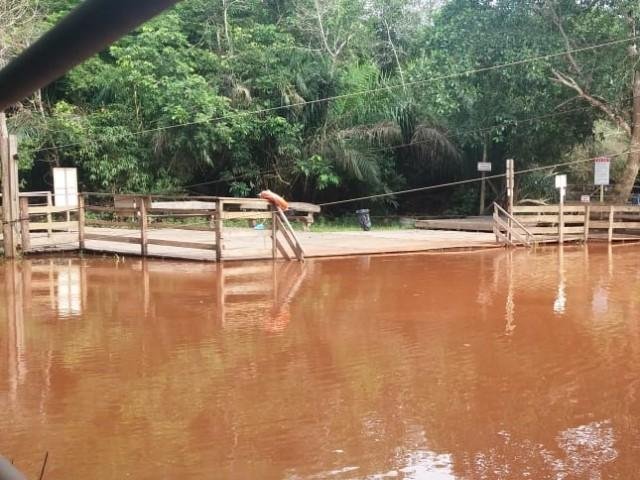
(492, 365)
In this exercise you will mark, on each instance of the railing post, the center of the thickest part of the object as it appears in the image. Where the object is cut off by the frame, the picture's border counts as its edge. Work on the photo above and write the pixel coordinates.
(561, 221)
(611, 218)
(587, 221)
(219, 229)
(24, 224)
(49, 216)
(510, 194)
(9, 194)
(274, 233)
(142, 211)
(68, 218)
(296, 246)
(81, 214)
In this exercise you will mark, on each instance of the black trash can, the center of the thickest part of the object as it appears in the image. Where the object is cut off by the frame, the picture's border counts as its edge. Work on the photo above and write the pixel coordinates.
(364, 219)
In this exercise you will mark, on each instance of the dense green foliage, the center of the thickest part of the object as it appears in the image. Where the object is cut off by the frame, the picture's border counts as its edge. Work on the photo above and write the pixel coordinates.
(226, 96)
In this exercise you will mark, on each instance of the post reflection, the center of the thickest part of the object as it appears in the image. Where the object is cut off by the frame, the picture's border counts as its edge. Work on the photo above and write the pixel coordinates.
(510, 305)
(560, 302)
(14, 296)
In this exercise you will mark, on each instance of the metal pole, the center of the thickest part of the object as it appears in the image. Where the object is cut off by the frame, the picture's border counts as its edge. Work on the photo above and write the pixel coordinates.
(87, 30)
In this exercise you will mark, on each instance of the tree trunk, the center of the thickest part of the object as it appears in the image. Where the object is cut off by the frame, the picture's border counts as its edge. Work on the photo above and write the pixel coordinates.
(625, 185)
(227, 30)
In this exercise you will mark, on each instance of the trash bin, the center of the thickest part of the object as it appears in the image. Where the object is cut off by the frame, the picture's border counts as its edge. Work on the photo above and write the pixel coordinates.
(364, 219)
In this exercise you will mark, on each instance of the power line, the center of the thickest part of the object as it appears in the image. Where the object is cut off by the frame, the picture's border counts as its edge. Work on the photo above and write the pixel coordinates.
(372, 90)
(470, 180)
(455, 133)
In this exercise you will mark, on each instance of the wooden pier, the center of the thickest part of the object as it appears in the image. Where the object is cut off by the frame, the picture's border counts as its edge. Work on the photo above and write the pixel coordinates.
(210, 229)
(531, 225)
(217, 229)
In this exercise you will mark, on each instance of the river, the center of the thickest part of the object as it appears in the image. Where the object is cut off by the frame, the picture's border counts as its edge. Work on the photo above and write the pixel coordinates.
(487, 365)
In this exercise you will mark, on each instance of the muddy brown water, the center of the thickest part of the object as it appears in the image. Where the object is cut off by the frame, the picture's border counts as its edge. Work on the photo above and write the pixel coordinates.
(494, 365)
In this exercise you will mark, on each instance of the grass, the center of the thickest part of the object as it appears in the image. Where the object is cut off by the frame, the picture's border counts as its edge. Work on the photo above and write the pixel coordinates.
(322, 223)
(349, 224)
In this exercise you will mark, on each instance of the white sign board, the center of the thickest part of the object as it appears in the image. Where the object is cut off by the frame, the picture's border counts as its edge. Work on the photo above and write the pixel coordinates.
(65, 187)
(601, 169)
(585, 199)
(561, 181)
(484, 166)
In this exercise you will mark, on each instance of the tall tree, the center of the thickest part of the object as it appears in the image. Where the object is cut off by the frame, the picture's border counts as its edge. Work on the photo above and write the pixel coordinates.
(609, 83)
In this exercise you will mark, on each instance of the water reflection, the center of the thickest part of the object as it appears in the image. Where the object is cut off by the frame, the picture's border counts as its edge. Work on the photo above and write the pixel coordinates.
(560, 303)
(15, 337)
(389, 367)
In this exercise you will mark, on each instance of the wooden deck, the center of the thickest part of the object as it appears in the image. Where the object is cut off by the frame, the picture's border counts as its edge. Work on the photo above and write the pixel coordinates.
(250, 244)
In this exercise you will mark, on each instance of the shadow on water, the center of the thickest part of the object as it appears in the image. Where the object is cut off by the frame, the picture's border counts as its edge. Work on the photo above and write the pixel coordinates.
(496, 365)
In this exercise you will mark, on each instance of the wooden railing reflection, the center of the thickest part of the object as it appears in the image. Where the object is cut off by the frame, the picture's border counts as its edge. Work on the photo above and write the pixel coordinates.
(266, 289)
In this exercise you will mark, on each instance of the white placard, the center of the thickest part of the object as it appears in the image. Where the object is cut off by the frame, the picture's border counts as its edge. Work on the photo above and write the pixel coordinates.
(484, 166)
(65, 187)
(585, 199)
(601, 169)
(561, 181)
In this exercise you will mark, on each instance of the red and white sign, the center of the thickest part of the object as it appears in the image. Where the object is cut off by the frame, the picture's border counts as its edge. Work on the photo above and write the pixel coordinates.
(601, 169)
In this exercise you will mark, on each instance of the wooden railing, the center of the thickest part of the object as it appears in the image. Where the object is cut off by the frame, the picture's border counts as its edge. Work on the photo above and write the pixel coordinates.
(567, 223)
(130, 219)
(47, 214)
(145, 213)
(509, 230)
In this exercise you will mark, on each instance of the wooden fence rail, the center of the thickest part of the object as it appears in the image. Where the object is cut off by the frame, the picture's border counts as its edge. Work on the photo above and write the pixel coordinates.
(570, 223)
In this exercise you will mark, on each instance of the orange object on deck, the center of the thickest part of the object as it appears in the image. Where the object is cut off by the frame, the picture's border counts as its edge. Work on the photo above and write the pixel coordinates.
(274, 199)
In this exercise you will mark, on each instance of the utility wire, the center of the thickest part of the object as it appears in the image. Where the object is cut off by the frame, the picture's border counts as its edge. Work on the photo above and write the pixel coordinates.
(470, 180)
(455, 133)
(372, 90)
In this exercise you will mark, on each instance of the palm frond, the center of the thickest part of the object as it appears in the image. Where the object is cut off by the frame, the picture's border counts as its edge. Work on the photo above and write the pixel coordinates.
(432, 143)
(240, 95)
(382, 133)
(361, 164)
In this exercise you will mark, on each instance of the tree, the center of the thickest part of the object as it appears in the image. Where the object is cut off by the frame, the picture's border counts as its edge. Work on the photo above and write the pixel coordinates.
(611, 84)
(18, 20)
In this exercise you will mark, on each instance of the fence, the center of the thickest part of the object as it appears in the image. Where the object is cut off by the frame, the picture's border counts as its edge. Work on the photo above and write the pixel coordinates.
(566, 223)
(50, 218)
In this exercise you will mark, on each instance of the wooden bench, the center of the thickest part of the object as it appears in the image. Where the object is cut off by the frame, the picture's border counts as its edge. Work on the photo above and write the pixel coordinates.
(298, 211)
(126, 205)
(303, 213)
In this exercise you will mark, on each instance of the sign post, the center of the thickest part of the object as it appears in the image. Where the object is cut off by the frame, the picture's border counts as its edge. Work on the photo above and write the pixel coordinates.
(601, 174)
(483, 168)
